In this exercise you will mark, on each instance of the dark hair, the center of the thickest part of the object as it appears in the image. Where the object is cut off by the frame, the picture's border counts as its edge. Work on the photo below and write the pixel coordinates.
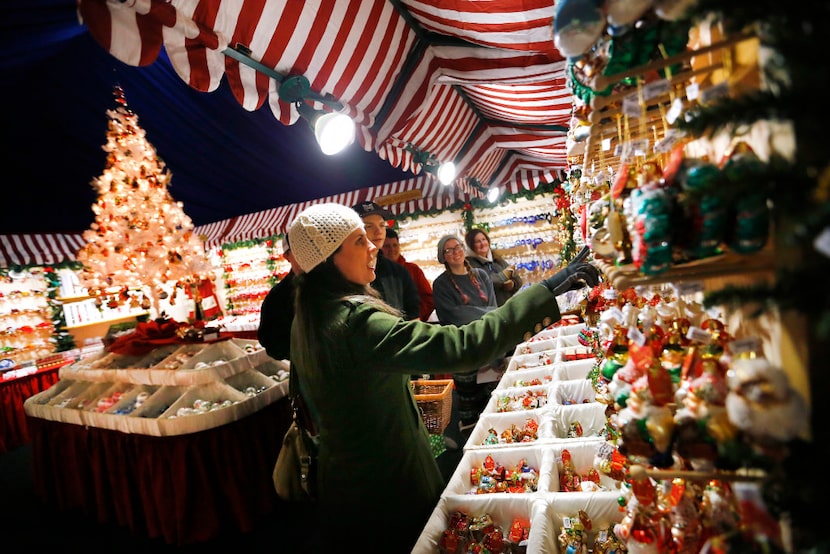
(391, 234)
(470, 239)
(316, 292)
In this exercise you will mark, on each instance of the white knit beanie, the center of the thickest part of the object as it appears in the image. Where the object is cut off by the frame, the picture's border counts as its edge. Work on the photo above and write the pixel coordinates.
(319, 230)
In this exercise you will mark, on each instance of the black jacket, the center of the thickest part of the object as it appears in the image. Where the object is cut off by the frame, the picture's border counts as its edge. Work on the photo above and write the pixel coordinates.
(275, 318)
(396, 287)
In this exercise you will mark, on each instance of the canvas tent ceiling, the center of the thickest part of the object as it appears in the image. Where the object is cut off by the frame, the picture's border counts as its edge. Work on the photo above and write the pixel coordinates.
(477, 82)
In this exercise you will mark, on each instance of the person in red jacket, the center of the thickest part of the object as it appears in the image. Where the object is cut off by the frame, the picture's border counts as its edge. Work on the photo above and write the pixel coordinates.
(392, 250)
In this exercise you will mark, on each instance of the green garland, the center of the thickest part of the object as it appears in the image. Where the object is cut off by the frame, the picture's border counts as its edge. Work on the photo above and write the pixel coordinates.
(252, 243)
(65, 264)
(63, 340)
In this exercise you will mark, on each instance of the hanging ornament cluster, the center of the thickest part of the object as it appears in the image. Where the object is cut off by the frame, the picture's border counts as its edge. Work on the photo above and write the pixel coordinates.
(141, 236)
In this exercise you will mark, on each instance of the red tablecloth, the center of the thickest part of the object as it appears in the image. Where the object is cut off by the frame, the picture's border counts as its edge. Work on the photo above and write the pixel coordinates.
(183, 489)
(13, 393)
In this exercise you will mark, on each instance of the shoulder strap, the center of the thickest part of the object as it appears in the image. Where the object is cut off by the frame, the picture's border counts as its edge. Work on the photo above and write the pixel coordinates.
(301, 410)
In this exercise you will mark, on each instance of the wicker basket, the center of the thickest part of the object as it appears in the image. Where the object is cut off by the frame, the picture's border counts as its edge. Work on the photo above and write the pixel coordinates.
(434, 398)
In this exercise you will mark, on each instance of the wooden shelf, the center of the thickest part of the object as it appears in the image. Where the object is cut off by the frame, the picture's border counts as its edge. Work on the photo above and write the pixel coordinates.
(723, 266)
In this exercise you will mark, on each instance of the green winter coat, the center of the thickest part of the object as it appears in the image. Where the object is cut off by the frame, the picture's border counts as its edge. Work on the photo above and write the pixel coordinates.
(377, 474)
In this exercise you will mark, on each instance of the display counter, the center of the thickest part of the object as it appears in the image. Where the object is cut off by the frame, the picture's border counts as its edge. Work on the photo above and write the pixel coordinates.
(15, 388)
(192, 461)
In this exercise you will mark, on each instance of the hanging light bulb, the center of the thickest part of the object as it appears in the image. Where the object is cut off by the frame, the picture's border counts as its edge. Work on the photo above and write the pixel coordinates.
(493, 194)
(334, 132)
(446, 173)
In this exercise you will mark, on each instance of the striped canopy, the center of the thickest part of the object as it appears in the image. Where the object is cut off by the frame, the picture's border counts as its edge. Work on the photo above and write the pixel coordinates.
(477, 82)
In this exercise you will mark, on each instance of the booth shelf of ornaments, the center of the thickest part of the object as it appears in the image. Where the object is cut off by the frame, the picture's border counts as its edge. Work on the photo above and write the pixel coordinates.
(249, 270)
(678, 415)
(524, 229)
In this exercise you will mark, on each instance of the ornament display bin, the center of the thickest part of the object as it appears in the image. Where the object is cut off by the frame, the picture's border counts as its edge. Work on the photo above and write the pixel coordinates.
(434, 398)
(502, 422)
(538, 459)
(515, 379)
(509, 400)
(503, 509)
(213, 372)
(590, 417)
(578, 369)
(533, 360)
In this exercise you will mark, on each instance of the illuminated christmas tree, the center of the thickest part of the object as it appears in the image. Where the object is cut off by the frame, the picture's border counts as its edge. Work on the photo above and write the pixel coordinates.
(141, 237)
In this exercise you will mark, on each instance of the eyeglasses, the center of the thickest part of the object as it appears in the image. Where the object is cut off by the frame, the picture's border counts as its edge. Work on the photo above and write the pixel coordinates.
(453, 250)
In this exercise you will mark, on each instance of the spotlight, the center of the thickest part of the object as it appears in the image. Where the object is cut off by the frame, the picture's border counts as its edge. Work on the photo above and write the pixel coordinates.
(493, 194)
(446, 173)
(333, 131)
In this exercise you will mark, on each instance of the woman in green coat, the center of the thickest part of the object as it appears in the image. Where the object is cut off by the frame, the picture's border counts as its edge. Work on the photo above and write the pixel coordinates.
(377, 479)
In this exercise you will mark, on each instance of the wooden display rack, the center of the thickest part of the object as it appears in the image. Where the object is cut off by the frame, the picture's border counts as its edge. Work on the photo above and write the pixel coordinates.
(725, 61)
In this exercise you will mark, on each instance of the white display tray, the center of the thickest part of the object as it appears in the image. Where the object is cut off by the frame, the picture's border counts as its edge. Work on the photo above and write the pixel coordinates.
(235, 370)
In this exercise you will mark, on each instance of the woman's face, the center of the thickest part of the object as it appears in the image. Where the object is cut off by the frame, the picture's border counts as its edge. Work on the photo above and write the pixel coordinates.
(481, 245)
(356, 258)
(454, 254)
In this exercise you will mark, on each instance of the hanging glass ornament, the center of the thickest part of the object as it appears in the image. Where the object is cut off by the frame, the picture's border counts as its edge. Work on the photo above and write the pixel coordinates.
(577, 25)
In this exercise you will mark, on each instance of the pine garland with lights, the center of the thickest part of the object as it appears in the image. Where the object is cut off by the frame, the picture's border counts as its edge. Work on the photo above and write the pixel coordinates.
(63, 340)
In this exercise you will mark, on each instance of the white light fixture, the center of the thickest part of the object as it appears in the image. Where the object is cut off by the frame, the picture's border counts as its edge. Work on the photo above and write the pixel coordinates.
(446, 173)
(493, 194)
(334, 132)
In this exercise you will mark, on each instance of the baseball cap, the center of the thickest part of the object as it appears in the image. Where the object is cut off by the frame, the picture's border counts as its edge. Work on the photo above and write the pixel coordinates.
(368, 208)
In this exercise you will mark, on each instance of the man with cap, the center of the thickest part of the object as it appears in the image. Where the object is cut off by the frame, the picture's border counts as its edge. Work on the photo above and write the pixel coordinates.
(277, 311)
(393, 281)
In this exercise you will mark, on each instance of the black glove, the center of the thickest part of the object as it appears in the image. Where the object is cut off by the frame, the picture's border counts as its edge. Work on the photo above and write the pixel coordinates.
(582, 256)
(573, 276)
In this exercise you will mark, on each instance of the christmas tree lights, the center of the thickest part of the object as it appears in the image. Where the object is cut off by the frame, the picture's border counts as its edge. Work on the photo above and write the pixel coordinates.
(141, 237)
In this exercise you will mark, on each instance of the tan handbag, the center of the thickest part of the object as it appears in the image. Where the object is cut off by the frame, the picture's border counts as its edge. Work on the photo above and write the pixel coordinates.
(295, 472)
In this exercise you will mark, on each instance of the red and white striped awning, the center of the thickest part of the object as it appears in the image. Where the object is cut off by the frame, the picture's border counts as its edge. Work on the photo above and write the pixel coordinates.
(38, 249)
(477, 82)
(421, 194)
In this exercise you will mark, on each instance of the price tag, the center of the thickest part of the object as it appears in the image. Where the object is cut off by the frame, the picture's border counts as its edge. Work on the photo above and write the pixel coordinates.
(609, 294)
(692, 91)
(604, 451)
(614, 315)
(822, 242)
(699, 335)
(631, 106)
(606, 144)
(720, 90)
(667, 143)
(637, 336)
(618, 150)
(639, 147)
(688, 288)
(566, 522)
(745, 345)
(675, 111)
(656, 88)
